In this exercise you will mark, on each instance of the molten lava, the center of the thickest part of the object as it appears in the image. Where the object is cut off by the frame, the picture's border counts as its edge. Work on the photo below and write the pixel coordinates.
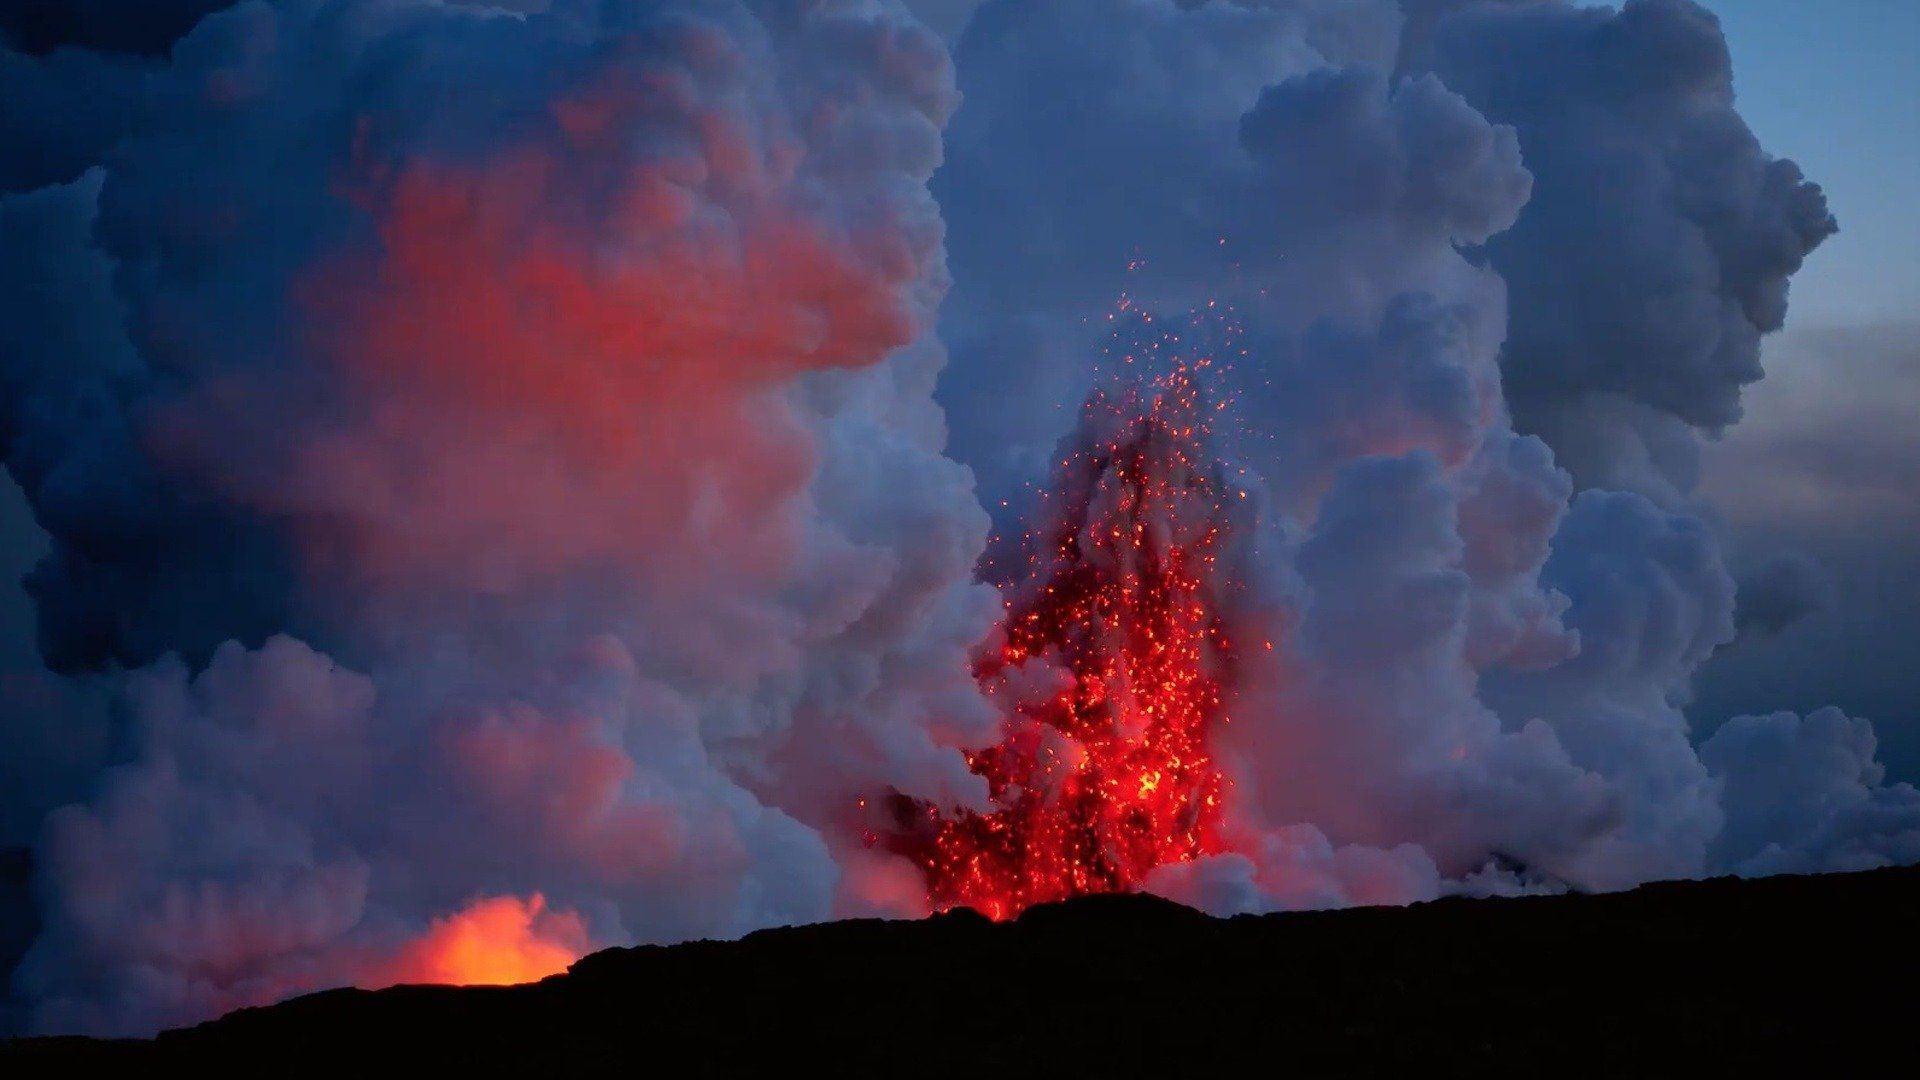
(1109, 775)
(495, 941)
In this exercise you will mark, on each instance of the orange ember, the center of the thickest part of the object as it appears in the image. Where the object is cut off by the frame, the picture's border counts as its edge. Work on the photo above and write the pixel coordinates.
(1110, 776)
(493, 942)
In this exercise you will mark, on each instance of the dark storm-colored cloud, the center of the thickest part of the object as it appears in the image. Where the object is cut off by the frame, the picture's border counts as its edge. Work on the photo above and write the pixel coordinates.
(1656, 252)
(64, 112)
(1781, 591)
(138, 27)
(54, 731)
(141, 27)
(144, 564)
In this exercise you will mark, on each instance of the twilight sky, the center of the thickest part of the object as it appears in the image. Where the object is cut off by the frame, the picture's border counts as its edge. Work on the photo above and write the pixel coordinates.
(1827, 454)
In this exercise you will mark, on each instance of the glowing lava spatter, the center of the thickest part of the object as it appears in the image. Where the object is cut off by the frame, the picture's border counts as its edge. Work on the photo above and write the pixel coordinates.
(1110, 776)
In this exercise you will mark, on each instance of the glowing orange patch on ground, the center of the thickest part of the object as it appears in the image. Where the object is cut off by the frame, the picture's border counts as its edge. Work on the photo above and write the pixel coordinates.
(497, 941)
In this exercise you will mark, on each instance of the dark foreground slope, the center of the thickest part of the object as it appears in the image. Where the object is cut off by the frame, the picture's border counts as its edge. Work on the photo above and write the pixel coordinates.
(1806, 973)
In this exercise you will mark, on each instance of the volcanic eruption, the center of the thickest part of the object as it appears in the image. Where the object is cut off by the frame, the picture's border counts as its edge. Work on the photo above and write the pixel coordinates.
(1112, 664)
(505, 480)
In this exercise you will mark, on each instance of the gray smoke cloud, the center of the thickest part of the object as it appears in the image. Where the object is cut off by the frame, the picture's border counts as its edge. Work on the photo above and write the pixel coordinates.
(1781, 591)
(1805, 795)
(1687, 229)
(506, 463)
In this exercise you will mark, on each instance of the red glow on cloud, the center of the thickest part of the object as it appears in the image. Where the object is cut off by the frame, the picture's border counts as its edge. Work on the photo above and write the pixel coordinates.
(573, 353)
(557, 783)
(529, 400)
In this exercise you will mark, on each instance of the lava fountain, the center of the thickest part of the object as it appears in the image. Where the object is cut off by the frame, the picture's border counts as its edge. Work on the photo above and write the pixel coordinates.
(1107, 773)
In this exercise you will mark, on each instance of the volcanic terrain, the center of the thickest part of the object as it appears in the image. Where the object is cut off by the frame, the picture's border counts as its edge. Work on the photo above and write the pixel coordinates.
(1723, 975)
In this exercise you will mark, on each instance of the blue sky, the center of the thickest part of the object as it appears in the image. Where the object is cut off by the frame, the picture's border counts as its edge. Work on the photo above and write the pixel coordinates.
(1834, 87)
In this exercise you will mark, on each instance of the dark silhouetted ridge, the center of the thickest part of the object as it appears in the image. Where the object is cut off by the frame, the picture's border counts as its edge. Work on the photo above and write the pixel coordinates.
(1716, 975)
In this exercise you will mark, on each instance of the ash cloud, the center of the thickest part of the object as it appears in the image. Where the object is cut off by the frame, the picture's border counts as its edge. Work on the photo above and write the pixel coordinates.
(505, 460)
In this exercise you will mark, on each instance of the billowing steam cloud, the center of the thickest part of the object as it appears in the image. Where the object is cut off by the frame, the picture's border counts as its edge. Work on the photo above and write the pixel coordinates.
(501, 454)
(560, 385)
